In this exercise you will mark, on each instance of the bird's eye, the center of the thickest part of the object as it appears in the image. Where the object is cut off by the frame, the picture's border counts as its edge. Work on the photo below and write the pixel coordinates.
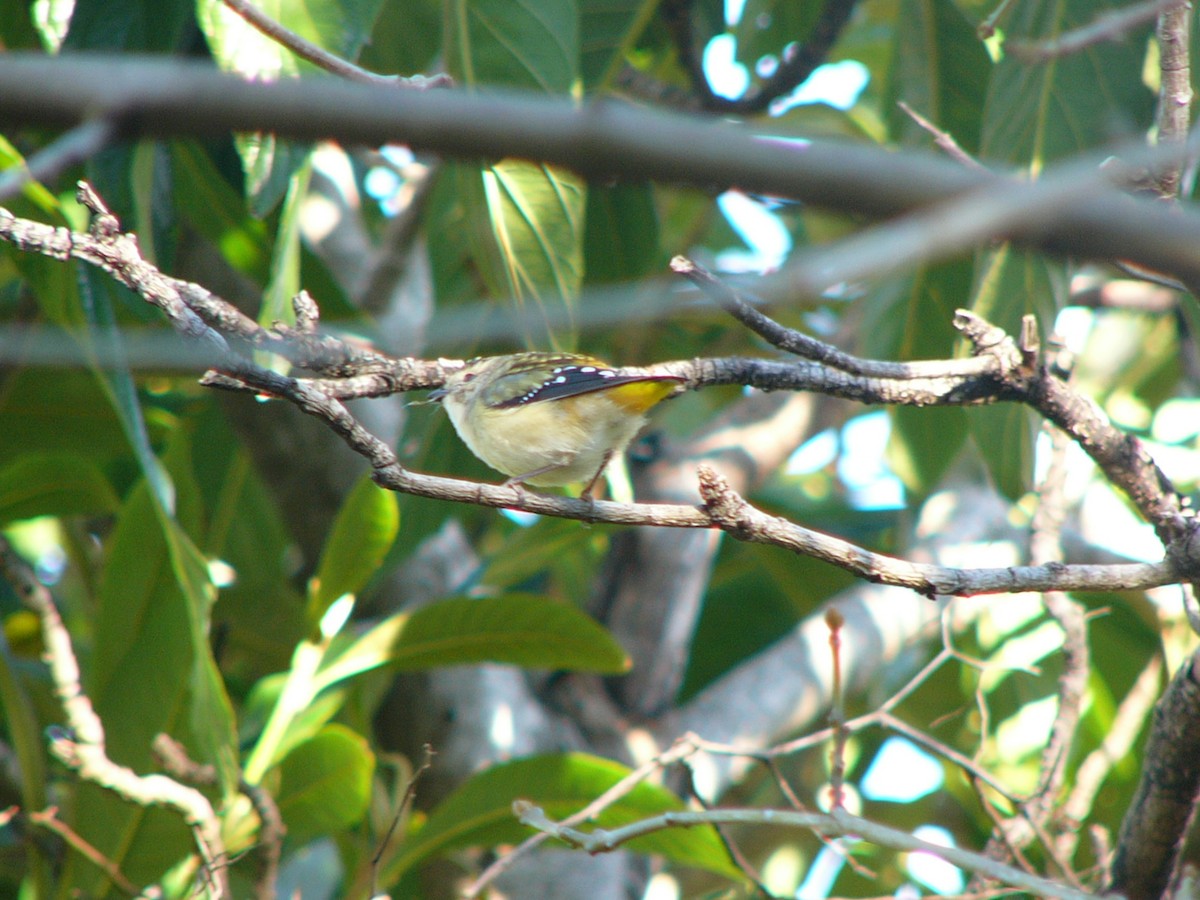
(470, 376)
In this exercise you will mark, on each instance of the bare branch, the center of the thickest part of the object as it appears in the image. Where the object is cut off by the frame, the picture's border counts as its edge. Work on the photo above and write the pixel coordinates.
(1155, 824)
(837, 822)
(1175, 91)
(1108, 26)
(82, 745)
(733, 514)
(998, 371)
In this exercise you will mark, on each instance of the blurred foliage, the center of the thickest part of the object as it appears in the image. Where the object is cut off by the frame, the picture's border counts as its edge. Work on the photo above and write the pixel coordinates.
(174, 564)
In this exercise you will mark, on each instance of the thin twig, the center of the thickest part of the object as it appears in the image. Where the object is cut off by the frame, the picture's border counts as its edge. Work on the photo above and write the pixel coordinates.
(173, 757)
(79, 144)
(731, 513)
(837, 713)
(1175, 91)
(1108, 26)
(943, 139)
(410, 793)
(48, 819)
(735, 852)
(679, 751)
(1045, 548)
(321, 57)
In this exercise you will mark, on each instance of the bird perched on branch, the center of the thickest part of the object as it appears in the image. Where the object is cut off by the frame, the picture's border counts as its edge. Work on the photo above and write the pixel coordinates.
(549, 419)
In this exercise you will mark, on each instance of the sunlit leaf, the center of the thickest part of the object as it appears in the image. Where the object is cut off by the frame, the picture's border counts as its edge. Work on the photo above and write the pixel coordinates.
(363, 532)
(325, 783)
(521, 629)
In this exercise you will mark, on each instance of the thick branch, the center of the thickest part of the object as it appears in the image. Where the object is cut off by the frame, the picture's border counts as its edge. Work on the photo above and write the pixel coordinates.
(1157, 821)
(602, 140)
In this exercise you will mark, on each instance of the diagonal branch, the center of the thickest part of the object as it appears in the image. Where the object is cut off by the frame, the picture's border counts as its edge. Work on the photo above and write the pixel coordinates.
(321, 57)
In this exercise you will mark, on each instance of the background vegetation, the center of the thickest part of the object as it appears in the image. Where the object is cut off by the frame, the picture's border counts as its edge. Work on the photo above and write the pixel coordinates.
(373, 676)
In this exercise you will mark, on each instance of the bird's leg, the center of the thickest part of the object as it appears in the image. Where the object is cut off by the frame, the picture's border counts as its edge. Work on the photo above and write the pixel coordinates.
(517, 482)
(586, 493)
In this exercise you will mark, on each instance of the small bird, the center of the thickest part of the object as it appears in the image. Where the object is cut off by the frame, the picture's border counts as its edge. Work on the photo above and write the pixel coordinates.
(549, 419)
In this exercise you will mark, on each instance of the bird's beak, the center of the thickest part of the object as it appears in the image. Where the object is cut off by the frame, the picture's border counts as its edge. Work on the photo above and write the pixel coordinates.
(437, 394)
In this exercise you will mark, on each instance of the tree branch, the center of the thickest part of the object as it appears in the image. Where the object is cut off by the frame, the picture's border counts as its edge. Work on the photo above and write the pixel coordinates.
(602, 140)
(839, 822)
(82, 744)
(1156, 822)
(1000, 370)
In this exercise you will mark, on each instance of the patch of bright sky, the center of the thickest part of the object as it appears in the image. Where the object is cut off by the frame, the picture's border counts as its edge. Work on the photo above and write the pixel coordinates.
(815, 453)
(383, 182)
(931, 870)
(922, 773)
(760, 229)
(823, 872)
(838, 84)
(862, 466)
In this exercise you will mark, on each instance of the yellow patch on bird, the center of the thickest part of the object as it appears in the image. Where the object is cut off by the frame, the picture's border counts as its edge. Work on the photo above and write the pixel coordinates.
(639, 396)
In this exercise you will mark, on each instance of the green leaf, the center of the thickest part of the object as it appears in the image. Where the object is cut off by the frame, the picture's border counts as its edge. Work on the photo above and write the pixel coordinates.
(513, 43)
(480, 812)
(284, 281)
(1006, 435)
(621, 240)
(607, 29)
(910, 318)
(22, 32)
(325, 783)
(207, 200)
(521, 629)
(537, 216)
(363, 532)
(59, 484)
(1011, 284)
(407, 38)
(941, 70)
(132, 25)
(531, 553)
(340, 26)
(1039, 112)
(536, 211)
(56, 410)
(768, 26)
(152, 671)
(103, 342)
